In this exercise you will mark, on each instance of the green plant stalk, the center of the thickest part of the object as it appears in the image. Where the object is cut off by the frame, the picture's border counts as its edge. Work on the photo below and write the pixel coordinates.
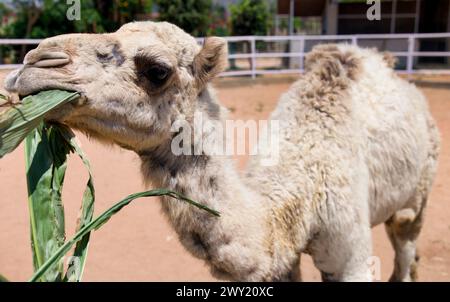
(46, 151)
(103, 218)
(46, 210)
(46, 163)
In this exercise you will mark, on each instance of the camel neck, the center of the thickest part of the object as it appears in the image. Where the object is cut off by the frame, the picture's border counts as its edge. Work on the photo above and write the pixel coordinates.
(236, 239)
(244, 240)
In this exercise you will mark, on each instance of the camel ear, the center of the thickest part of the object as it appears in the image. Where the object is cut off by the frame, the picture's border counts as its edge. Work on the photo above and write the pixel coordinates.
(211, 60)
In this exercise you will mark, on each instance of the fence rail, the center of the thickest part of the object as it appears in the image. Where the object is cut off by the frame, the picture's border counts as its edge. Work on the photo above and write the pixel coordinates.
(409, 40)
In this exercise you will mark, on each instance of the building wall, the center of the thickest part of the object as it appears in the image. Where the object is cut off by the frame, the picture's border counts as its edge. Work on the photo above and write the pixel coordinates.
(396, 17)
(407, 16)
(435, 18)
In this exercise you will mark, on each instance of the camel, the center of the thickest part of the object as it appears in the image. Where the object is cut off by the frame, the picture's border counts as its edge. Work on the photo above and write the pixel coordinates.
(357, 148)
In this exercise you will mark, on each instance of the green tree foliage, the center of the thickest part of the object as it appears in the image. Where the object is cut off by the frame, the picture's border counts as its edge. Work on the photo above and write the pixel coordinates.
(219, 25)
(46, 18)
(3, 10)
(119, 12)
(191, 15)
(40, 19)
(250, 17)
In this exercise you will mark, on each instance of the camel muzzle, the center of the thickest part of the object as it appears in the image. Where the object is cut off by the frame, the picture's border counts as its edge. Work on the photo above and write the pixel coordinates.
(31, 77)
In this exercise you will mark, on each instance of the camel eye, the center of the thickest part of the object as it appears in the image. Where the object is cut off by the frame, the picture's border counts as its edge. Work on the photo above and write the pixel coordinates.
(153, 73)
(157, 74)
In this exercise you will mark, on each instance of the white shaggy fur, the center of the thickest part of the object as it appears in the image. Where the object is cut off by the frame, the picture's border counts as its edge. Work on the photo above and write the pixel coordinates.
(358, 147)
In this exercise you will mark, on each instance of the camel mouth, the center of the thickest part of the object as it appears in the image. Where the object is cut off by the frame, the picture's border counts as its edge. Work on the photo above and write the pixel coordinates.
(31, 79)
(33, 92)
(39, 72)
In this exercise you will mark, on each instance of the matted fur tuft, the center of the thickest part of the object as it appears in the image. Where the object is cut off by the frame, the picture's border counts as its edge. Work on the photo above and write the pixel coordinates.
(390, 59)
(330, 61)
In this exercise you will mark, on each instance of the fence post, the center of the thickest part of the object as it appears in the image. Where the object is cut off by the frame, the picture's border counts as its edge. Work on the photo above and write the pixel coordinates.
(253, 48)
(410, 58)
(302, 54)
(355, 40)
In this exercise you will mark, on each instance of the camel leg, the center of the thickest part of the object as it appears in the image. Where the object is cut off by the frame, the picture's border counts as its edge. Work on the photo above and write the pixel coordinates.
(403, 228)
(344, 256)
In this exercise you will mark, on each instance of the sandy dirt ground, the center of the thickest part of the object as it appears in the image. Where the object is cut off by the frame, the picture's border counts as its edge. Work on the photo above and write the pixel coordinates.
(138, 243)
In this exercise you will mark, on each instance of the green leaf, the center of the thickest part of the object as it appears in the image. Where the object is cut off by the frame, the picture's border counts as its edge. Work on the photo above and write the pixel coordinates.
(49, 147)
(76, 266)
(17, 122)
(46, 163)
(103, 218)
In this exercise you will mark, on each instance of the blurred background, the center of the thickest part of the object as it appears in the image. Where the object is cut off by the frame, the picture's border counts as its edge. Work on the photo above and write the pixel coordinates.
(288, 26)
(267, 43)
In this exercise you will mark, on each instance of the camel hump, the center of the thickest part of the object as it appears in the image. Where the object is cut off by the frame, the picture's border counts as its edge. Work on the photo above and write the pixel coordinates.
(334, 61)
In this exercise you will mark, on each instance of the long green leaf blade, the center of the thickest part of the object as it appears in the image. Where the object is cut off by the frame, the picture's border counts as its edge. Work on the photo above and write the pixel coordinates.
(46, 163)
(76, 266)
(103, 218)
(17, 122)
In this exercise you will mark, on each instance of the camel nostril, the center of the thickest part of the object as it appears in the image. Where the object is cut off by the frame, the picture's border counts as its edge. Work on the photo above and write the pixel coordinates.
(46, 59)
(51, 63)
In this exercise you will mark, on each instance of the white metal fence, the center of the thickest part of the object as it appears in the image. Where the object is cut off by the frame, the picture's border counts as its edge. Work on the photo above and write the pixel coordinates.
(401, 45)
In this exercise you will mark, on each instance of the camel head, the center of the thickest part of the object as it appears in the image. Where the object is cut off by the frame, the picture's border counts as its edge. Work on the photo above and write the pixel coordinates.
(134, 82)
